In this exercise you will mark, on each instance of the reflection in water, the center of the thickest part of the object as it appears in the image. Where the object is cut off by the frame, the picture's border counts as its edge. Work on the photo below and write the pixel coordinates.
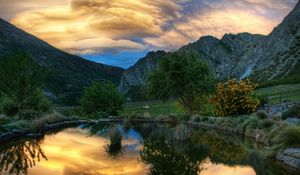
(18, 158)
(137, 149)
(172, 157)
(114, 148)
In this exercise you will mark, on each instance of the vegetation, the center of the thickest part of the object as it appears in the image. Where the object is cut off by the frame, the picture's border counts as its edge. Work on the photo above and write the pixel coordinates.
(261, 114)
(293, 112)
(101, 99)
(114, 148)
(135, 93)
(235, 98)
(280, 93)
(20, 87)
(183, 77)
(288, 137)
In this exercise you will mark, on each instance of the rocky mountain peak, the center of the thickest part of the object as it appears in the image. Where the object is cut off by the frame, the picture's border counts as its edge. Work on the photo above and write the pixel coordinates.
(237, 55)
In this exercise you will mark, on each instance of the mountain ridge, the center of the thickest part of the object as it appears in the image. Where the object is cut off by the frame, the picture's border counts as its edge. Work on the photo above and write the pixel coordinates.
(242, 55)
(68, 74)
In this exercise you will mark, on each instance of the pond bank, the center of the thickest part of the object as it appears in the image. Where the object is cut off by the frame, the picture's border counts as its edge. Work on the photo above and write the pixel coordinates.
(286, 156)
(16, 134)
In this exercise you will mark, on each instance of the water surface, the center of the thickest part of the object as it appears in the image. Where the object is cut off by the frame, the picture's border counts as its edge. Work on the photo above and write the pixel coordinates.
(135, 149)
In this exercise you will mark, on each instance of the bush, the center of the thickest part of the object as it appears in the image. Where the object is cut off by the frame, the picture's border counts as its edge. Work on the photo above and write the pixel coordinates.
(293, 112)
(250, 124)
(266, 123)
(235, 98)
(101, 100)
(262, 114)
(288, 137)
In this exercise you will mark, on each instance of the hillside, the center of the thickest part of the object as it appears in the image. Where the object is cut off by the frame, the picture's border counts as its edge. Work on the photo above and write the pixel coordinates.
(68, 74)
(240, 56)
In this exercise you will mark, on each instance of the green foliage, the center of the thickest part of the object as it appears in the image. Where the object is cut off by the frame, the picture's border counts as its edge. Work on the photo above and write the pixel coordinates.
(21, 80)
(288, 137)
(181, 76)
(250, 124)
(261, 114)
(293, 112)
(8, 107)
(101, 99)
(266, 123)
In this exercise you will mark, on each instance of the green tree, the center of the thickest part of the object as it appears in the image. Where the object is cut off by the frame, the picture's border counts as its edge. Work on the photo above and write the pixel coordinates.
(102, 98)
(20, 85)
(184, 77)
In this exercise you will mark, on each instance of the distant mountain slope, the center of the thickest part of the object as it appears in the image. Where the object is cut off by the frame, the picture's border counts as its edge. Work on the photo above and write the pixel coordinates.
(68, 74)
(239, 56)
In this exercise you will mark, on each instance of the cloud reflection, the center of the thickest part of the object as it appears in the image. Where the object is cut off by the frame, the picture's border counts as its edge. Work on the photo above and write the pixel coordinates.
(72, 152)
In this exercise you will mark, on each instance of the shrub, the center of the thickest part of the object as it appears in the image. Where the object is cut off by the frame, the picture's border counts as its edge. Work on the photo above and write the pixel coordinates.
(266, 123)
(262, 114)
(101, 99)
(196, 104)
(288, 137)
(235, 98)
(250, 124)
(293, 112)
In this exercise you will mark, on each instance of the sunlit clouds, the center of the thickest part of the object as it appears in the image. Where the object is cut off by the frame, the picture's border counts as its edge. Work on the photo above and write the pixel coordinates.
(114, 26)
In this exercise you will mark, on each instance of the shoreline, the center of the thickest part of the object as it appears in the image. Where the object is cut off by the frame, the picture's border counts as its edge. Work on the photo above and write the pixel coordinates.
(284, 157)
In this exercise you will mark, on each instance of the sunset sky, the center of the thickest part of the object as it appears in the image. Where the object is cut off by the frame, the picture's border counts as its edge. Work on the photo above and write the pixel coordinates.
(118, 32)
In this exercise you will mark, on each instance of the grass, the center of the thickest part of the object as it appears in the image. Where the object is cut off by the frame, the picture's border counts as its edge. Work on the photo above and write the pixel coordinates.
(156, 108)
(278, 94)
(274, 95)
(288, 137)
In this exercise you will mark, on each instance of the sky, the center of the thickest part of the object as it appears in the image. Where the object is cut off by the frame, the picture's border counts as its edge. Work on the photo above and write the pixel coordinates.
(119, 32)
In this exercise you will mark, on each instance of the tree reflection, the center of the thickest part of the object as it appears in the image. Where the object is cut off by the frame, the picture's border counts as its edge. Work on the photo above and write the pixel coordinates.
(172, 157)
(114, 149)
(18, 158)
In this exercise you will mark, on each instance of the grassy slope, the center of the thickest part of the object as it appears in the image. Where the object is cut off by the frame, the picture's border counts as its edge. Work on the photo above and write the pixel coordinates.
(274, 94)
(277, 94)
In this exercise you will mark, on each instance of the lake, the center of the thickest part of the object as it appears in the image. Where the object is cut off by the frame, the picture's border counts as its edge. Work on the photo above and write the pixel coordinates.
(136, 149)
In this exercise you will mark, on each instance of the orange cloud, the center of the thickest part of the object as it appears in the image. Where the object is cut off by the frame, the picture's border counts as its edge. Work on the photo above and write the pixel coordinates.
(97, 26)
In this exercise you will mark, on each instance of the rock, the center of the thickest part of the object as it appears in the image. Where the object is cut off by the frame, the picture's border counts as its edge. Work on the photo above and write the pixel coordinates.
(235, 56)
(293, 120)
(290, 157)
(278, 109)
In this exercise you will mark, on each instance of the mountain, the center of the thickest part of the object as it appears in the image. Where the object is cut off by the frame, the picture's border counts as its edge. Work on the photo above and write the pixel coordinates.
(240, 56)
(68, 74)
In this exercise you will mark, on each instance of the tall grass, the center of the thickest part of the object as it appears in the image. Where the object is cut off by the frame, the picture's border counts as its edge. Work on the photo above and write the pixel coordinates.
(288, 137)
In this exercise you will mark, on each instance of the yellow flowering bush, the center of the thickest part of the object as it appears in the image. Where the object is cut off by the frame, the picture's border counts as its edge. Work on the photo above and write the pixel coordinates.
(235, 97)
